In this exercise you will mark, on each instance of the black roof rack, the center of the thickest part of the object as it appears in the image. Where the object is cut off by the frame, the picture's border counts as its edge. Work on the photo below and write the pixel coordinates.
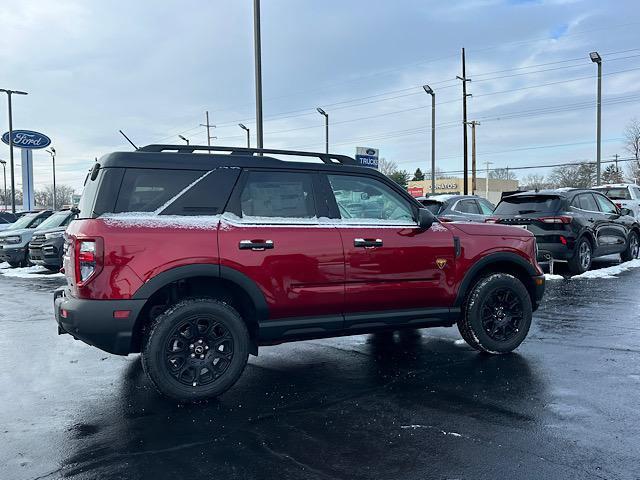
(329, 158)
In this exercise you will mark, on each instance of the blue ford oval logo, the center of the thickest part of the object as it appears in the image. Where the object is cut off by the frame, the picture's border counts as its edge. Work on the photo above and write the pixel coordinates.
(27, 139)
(371, 151)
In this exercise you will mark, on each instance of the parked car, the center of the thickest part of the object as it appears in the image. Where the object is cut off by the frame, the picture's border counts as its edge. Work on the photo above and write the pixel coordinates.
(624, 195)
(197, 260)
(6, 219)
(46, 245)
(458, 208)
(572, 225)
(14, 239)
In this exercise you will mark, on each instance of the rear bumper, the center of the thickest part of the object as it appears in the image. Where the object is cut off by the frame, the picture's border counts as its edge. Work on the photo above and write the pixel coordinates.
(555, 251)
(92, 321)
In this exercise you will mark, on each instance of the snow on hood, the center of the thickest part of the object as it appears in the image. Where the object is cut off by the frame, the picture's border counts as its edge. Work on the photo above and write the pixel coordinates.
(490, 229)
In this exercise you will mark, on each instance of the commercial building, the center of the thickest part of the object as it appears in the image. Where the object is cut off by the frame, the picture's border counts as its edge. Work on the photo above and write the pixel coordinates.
(456, 185)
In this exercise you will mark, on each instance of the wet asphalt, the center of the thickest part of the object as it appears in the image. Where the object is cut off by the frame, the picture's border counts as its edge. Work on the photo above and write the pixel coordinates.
(413, 406)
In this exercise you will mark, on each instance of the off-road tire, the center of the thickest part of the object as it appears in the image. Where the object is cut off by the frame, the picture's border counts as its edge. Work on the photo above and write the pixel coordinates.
(633, 247)
(578, 263)
(471, 326)
(165, 331)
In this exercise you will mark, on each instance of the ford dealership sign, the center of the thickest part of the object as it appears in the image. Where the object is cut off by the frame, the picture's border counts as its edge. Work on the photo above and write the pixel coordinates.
(367, 157)
(27, 139)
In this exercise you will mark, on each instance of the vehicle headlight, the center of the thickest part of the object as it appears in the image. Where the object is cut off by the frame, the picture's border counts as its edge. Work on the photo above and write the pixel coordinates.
(12, 240)
(49, 236)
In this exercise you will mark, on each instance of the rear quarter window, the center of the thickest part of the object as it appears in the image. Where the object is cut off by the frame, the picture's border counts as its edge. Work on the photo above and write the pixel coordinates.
(523, 205)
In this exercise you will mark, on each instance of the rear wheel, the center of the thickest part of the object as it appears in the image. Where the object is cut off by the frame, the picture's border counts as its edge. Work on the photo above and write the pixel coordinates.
(497, 314)
(195, 350)
(633, 247)
(582, 257)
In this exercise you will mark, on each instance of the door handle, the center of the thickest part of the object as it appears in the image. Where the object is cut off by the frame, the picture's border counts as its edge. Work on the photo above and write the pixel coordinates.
(367, 242)
(257, 245)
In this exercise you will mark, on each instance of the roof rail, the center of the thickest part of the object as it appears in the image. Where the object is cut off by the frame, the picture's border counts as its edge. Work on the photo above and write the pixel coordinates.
(329, 158)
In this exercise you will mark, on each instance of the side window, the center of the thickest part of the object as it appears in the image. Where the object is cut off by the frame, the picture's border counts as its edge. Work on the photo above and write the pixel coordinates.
(37, 222)
(278, 194)
(605, 205)
(368, 198)
(467, 206)
(208, 196)
(486, 207)
(146, 190)
(586, 201)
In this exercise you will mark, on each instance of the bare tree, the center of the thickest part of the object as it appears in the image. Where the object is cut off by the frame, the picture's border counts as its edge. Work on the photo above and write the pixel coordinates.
(632, 145)
(388, 167)
(612, 174)
(502, 174)
(535, 182)
(44, 197)
(582, 175)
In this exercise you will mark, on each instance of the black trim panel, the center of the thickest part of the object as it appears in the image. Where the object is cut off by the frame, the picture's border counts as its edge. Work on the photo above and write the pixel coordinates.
(175, 274)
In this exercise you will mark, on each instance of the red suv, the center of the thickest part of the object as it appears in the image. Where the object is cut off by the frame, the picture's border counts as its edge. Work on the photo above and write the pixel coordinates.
(196, 257)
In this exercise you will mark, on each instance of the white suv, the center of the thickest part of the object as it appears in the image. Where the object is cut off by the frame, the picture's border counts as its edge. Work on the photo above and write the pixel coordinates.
(624, 195)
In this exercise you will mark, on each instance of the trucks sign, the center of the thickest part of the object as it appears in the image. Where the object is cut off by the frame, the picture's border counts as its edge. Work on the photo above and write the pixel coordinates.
(367, 157)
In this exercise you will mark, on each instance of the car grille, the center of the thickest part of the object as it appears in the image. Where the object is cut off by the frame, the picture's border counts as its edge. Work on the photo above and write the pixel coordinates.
(37, 240)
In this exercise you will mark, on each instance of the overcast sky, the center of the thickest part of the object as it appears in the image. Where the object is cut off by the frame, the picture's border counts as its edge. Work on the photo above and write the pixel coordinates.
(152, 68)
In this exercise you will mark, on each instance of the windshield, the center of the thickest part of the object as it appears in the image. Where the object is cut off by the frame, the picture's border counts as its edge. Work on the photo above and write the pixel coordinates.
(56, 220)
(522, 205)
(620, 193)
(23, 222)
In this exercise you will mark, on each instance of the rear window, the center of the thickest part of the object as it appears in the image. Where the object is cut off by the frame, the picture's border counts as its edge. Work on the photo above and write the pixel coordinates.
(620, 193)
(522, 205)
(146, 190)
(433, 206)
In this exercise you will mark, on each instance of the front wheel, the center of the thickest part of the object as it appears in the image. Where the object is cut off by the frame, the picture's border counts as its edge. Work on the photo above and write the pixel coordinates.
(195, 350)
(633, 247)
(497, 314)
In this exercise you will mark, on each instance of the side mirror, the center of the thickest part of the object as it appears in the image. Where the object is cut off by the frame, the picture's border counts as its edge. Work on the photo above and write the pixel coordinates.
(425, 219)
(626, 211)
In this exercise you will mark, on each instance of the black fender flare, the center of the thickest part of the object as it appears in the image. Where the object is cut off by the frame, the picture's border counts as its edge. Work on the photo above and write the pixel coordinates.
(490, 259)
(207, 270)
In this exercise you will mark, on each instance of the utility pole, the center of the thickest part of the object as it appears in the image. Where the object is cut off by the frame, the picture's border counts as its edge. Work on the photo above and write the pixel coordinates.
(596, 58)
(430, 91)
(486, 181)
(258, 69)
(246, 129)
(473, 124)
(4, 171)
(209, 126)
(13, 179)
(616, 156)
(464, 80)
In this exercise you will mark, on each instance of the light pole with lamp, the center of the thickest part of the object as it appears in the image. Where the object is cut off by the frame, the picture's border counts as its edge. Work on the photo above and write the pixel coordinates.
(596, 58)
(13, 180)
(246, 129)
(430, 91)
(52, 151)
(326, 128)
(184, 138)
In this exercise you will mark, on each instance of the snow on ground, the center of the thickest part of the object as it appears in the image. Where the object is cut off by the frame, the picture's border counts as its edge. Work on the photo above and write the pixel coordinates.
(28, 272)
(607, 272)
(4, 265)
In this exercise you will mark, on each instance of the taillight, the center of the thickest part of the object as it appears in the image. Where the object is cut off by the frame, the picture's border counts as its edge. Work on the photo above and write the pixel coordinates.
(88, 259)
(566, 219)
(491, 220)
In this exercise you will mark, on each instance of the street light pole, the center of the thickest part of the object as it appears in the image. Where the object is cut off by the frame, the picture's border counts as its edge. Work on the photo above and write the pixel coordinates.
(258, 71)
(13, 180)
(473, 124)
(326, 128)
(596, 58)
(430, 91)
(52, 151)
(4, 175)
(184, 138)
(245, 128)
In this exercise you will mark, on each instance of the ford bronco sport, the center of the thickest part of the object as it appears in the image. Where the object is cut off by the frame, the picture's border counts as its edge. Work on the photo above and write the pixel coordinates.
(196, 256)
